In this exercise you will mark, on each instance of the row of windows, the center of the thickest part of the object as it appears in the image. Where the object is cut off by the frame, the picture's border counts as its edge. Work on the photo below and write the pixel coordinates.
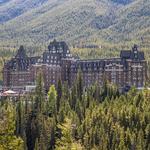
(52, 61)
(52, 57)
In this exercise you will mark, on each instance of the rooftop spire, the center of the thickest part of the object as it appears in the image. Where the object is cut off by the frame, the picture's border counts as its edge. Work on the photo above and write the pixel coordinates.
(21, 52)
(135, 47)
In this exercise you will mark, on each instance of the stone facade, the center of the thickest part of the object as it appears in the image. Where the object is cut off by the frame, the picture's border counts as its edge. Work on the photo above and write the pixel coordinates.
(51, 74)
(128, 70)
(57, 63)
(16, 72)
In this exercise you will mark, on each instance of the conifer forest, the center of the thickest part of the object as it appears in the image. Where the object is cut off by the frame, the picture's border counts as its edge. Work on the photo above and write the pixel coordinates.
(76, 118)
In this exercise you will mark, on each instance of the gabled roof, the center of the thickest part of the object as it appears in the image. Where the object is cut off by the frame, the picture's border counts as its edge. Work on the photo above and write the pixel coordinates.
(21, 61)
(21, 53)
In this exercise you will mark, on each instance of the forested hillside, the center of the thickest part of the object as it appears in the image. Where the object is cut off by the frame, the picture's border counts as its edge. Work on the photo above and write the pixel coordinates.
(91, 119)
(13, 8)
(35, 23)
(38, 21)
(64, 19)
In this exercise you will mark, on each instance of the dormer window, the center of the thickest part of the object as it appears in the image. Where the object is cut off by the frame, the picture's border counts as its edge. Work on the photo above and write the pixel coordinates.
(135, 54)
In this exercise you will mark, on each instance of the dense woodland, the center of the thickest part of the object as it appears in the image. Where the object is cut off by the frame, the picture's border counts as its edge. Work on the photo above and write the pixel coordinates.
(95, 118)
(111, 25)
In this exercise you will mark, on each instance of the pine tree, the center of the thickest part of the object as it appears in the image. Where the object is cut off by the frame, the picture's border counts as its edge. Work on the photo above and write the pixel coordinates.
(39, 93)
(52, 98)
(73, 99)
(19, 118)
(79, 85)
(8, 140)
(66, 142)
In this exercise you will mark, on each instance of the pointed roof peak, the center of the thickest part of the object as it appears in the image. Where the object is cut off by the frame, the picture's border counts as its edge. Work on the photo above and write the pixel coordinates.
(21, 53)
(54, 40)
(135, 47)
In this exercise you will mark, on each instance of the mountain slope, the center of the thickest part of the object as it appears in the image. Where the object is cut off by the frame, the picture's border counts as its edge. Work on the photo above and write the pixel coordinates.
(131, 20)
(13, 8)
(64, 19)
(73, 21)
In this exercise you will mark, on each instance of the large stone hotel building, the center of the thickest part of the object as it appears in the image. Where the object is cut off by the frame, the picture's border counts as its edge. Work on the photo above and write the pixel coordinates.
(130, 69)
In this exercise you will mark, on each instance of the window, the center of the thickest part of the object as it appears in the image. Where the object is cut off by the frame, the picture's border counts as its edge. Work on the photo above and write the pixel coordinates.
(135, 52)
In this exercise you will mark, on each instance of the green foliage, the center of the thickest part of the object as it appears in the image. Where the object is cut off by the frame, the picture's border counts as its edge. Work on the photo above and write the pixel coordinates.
(52, 100)
(59, 94)
(66, 142)
(74, 118)
(105, 24)
(99, 117)
(81, 21)
(8, 139)
(39, 92)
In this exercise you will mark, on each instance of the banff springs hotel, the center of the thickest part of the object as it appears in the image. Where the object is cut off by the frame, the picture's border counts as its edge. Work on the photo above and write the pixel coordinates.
(57, 63)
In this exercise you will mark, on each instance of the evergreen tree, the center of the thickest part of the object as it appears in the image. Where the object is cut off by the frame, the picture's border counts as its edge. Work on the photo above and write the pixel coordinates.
(66, 142)
(59, 95)
(19, 118)
(39, 93)
(8, 140)
(52, 101)
(79, 84)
